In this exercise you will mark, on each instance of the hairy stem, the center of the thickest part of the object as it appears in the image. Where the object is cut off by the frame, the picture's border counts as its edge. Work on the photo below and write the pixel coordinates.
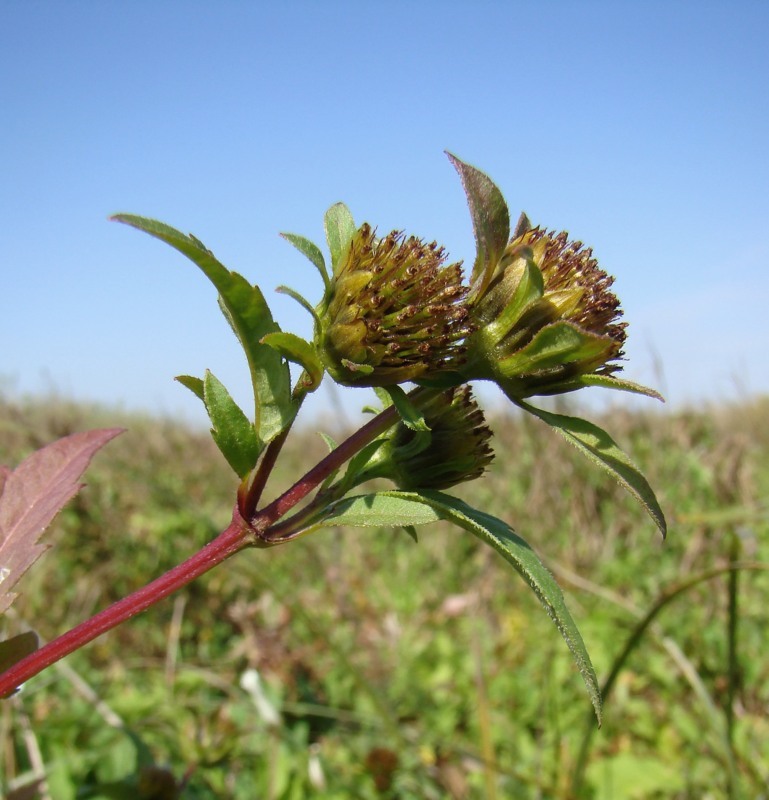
(231, 540)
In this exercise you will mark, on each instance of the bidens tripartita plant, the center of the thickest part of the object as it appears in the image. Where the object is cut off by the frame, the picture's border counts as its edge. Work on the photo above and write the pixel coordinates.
(537, 317)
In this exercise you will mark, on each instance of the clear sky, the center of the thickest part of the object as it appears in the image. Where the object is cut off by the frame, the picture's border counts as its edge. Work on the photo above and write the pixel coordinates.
(641, 128)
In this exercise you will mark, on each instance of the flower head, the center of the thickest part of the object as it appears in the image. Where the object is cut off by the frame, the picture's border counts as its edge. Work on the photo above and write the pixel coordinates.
(545, 316)
(394, 311)
(456, 448)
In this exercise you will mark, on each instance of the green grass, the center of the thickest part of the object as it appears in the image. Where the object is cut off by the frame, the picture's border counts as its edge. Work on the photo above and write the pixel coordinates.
(403, 670)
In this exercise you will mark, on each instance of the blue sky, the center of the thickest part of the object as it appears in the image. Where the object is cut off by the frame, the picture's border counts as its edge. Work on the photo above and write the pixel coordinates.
(641, 128)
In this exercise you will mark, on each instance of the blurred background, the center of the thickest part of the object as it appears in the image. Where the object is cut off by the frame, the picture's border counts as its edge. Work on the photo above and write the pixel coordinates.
(639, 128)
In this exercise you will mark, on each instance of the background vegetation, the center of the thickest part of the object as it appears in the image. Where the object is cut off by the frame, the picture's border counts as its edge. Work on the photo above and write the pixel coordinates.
(356, 663)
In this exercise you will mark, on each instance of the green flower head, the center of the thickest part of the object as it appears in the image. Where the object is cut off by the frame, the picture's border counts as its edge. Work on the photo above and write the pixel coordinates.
(393, 312)
(455, 449)
(545, 316)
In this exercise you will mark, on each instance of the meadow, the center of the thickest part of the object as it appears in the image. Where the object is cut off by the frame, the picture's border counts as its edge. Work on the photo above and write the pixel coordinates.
(360, 664)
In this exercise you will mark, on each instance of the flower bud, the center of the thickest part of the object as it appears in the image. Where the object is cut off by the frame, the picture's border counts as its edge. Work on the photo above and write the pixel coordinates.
(544, 318)
(455, 450)
(394, 312)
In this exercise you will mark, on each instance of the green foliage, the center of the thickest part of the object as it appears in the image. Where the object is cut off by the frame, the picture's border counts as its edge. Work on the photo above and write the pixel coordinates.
(602, 450)
(378, 654)
(247, 312)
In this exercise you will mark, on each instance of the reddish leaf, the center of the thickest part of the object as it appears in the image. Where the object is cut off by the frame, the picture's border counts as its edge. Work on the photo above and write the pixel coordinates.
(33, 494)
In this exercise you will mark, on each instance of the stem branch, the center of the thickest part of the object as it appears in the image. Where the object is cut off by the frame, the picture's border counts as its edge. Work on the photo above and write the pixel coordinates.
(234, 538)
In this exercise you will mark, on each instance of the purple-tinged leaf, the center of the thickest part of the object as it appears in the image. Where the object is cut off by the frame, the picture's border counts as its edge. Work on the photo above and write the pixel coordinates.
(491, 221)
(33, 494)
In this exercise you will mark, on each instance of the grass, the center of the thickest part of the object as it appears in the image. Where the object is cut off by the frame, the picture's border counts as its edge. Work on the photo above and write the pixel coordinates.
(356, 663)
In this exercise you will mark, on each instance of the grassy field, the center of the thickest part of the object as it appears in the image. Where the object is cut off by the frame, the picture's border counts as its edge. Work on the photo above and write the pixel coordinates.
(360, 664)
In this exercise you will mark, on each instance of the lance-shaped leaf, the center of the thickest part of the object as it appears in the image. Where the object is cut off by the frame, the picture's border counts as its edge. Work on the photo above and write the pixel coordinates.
(601, 449)
(249, 315)
(33, 495)
(608, 382)
(491, 220)
(231, 429)
(312, 251)
(195, 385)
(340, 228)
(418, 508)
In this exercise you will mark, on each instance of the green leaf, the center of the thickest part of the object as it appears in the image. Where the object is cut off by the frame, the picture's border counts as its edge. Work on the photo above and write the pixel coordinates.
(491, 219)
(299, 351)
(381, 509)
(312, 251)
(610, 382)
(340, 228)
(195, 385)
(601, 449)
(557, 344)
(249, 315)
(412, 417)
(232, 431)
(530, 288)
(418, 508)
(303, 302)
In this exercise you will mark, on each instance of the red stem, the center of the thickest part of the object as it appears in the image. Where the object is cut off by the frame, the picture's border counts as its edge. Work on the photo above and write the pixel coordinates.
(239, 535)
(349, 447)
(234, 538)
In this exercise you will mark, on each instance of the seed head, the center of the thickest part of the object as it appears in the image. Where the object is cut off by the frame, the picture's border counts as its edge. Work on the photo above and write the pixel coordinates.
(546, 316)
(394, 312)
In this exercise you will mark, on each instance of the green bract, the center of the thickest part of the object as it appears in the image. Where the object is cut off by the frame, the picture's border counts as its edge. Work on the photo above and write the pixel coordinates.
(453, 448)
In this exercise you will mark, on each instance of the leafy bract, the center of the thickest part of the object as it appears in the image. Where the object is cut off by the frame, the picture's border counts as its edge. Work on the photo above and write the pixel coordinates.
(340, 228)
(249, 315)
(231, 429)
(33, 494)
(312, 251)
(195, 385)
(491, 220)
(299, 351)
(412, 416)
(601, 449)
(418, 508)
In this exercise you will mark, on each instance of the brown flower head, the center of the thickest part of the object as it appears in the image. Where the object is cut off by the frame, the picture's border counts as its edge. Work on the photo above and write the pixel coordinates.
(394, 312)
(545, 317)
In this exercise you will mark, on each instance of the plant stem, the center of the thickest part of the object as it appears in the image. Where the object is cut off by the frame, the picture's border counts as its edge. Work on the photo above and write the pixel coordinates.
(311, 480)
(234, 538)
(239, 535)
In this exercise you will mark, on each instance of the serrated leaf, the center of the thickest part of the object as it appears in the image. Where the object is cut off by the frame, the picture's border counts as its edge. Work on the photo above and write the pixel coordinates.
(232, 431)
(418, 508)
(601, 449)
(517, 552)
(340, 229)
(299, 351)
(17, 647)
(249, 315)
(33, 494)
(195, 385)
(312, 251)
(491, 220)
